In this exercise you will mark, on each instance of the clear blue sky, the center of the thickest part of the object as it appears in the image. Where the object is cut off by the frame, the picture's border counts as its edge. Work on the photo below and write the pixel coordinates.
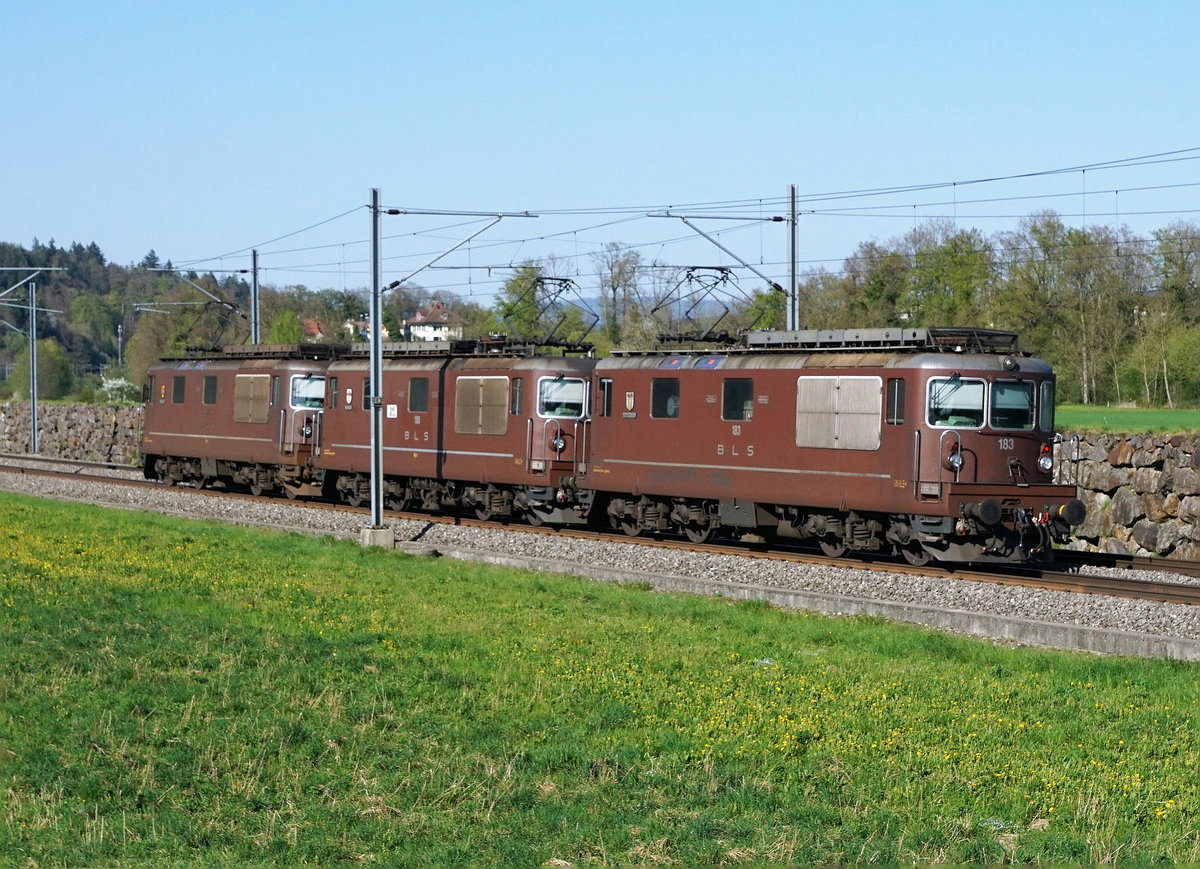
(203, 129)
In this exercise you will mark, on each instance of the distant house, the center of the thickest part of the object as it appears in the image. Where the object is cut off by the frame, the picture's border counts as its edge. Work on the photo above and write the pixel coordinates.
(360, 330)
(311, 330)
(433, 323)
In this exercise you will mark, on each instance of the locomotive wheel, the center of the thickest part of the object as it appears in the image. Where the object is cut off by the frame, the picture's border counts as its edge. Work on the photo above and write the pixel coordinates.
(533, 517)
(915, 554)
(355, 499)
(484, 513)
(256, 490)
(698, 533)
(290, 493)
(832, 546)
(626, 524)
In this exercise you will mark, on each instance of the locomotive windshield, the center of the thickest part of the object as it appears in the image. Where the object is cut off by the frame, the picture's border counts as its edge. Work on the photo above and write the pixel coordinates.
(561, 396)
(1012, 404)
(954, 401)
(308, 391)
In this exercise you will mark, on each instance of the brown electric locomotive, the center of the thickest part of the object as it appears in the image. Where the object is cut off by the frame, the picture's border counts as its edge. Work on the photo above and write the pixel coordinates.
(499, 431)
(248, 416)
(932, 442)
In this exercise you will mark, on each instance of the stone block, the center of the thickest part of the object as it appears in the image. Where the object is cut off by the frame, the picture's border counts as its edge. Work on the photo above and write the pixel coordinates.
(1187, 551)
(1148, 458)
(1097, 517)
(1120, 455)
(1189, 508)
(1126, 507)
(1102, 477)
(1170, 534)
(1113, 546)
(1145, 534)
(1147, 479)
(1185, 481)
(1152, 505)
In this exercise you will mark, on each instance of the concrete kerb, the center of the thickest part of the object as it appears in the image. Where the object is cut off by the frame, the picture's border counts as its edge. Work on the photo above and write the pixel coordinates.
(1016, 630)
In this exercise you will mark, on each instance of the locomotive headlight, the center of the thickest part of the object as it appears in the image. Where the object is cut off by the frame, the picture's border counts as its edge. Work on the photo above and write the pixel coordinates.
(1046, 459)
(955, 461)
(558, 443)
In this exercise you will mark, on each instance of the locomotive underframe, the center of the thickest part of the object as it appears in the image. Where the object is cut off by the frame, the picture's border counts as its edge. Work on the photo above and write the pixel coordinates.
(259, 478)
(563, 504)
(999, 531)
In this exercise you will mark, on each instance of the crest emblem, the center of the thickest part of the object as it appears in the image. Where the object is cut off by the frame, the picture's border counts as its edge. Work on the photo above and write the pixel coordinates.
(629, 402)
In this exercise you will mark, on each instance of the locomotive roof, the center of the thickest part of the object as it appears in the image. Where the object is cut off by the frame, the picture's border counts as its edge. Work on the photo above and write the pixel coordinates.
(930, 339)
(261, 351)
(491, 347)
(931, 347)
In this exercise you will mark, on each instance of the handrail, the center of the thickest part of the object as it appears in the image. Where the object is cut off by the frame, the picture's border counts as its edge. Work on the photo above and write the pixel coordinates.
(941, 443)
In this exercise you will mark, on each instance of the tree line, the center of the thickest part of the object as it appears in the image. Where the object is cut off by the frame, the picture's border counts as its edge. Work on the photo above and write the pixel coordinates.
(1117, 315)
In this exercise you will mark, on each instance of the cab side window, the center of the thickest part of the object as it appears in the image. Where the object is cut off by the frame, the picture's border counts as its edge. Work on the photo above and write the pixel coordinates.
(664, 398)
(737, 399)
(418, 395)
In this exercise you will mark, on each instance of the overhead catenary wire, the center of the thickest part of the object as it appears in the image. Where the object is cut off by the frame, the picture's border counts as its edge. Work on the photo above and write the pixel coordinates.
(832, 204)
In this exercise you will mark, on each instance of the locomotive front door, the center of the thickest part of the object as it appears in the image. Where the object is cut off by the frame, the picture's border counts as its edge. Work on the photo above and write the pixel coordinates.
(559, 429)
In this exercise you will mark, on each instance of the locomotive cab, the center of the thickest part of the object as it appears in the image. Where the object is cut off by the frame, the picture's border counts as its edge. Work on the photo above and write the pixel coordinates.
(983, 458)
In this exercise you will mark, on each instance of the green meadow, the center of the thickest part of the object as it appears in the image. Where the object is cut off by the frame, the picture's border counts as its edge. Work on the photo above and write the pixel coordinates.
(193, 694)
(1136, 420)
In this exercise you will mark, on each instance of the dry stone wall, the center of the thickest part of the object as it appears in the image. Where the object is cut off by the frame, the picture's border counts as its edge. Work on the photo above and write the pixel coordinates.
(81, 432)
(1142, 491)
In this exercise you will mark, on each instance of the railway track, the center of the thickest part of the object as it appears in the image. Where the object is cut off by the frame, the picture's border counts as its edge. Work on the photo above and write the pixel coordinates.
(1068, 574)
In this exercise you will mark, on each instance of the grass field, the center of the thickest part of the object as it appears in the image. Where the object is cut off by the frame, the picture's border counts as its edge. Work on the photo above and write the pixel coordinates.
(1134, 420)
(184, 693)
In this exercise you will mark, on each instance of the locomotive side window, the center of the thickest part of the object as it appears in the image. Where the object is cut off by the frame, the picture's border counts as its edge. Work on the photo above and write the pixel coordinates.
(177, 389)
(561, 396)
(308, 391)
(1047, 408)
(481, 405)
(1012, 404)
(895, 401)
(955, 402)
(418, 395)
(606, 396)
(275, 390)
(514, 405)
(250, 397)
(333, 393)
(737, 399)
(210, 389)
(664, 398)
(366, 393)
